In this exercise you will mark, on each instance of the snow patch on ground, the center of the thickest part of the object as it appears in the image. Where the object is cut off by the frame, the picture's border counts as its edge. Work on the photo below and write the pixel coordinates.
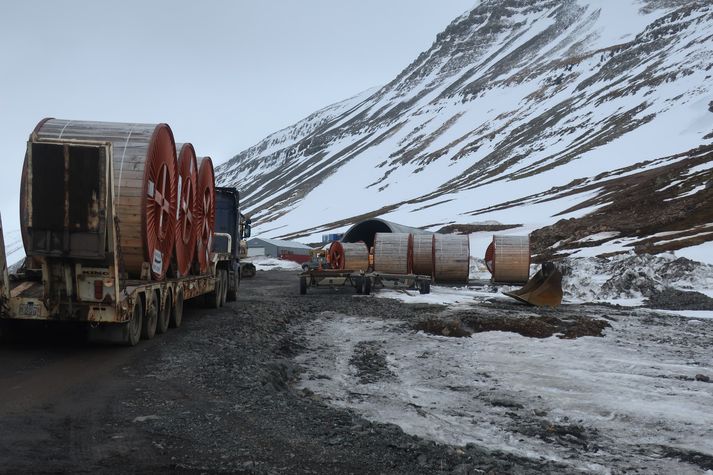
(270, 263)
(619, 399)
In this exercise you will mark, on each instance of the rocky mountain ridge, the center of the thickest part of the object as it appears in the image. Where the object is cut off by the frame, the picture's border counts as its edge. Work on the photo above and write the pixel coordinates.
(583, 119)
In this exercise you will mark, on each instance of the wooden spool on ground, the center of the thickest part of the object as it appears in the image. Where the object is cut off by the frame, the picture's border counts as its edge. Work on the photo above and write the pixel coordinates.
(451, 258)
(423, 254)
(186, 234)
(347, 255)
(393, 253)
(205, 213)
(144, 186)
(508, 258)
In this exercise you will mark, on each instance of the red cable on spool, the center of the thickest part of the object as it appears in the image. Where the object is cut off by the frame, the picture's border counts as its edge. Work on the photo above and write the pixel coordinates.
(205, 213)
(336, 255)
(160, 200)
(186, 235)
(490, 257)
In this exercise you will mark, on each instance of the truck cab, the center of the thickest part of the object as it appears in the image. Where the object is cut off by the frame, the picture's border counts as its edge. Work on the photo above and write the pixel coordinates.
(228, 234)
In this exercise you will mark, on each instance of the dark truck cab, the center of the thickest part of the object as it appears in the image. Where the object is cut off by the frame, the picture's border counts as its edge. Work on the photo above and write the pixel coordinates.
(228, 234)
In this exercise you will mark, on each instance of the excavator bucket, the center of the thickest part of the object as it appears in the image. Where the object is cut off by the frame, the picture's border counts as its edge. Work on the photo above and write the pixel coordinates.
(543, 289)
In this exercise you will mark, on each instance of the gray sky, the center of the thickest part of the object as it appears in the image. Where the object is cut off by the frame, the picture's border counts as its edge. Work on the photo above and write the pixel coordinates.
(224, 74)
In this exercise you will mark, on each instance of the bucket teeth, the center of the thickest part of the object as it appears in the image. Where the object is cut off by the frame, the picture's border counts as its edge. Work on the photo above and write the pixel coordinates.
(544, 289)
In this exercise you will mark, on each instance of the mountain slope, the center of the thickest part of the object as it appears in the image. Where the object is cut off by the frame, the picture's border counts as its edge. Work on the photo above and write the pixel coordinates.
(521, 112)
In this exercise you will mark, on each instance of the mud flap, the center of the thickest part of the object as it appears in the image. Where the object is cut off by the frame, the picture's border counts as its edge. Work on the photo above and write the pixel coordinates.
(543, 289)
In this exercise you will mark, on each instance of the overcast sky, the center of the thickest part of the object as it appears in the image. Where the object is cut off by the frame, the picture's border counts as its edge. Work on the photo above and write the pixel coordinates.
(223, 74)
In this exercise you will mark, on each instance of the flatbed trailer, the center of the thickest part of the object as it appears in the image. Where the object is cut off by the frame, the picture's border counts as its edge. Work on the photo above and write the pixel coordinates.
(133, 310)
(363, 282)
(86, 283)
(399, 281)
(333, 278)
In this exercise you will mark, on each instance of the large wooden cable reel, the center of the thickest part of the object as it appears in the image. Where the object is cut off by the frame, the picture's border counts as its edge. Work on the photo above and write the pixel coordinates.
(205, 213)
(186, 234)
(161, 193)
(144, 186)
(393, 253)
(349, 256)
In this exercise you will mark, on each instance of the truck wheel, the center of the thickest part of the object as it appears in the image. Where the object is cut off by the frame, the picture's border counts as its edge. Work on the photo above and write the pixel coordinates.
(224, 289)
(303, 285)
(212, 299)
(164, 314)
(177, 310)
(424, 287)
(133, 327)
(359, 285)
(148, 329)
(233, 293)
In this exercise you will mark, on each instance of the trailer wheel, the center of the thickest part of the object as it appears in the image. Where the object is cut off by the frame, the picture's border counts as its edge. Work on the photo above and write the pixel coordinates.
(148, 329)
(303, 285)
(224, 289)
(359, 285)
(177, 310)
(133, 327)
(367, 286)
(233, 293)
(213, 299)
(424, 287)
(164, 314)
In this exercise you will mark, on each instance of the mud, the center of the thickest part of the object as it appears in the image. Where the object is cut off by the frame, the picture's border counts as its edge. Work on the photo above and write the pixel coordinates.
(530, 326)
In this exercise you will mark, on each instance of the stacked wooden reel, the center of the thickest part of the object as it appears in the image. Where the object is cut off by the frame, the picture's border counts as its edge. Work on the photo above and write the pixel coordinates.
(451, 258)
(423, 254)
(186, 229)
(393, 253)
(349, 255)
(508, 259)
(145, 186)
(205, 213)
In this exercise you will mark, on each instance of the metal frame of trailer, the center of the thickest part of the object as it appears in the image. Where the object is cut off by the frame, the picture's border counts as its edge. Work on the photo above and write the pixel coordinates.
(399, 281)
(332, 278)
(364, 283)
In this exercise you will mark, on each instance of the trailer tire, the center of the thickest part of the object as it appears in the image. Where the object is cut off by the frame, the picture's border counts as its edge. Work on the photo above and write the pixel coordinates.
(213, 299)
(133, 326)
(177, 310)
(424, 287)
(303, 285)
(233, 293)
(224, 289)
(367, 286)
(164, 314)
(148, 328)
(359, 285)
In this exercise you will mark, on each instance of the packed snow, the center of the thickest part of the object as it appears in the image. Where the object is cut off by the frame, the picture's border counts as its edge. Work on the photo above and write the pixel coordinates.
(263, 263)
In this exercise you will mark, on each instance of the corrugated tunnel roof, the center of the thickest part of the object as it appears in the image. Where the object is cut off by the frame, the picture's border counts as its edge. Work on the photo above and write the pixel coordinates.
(365, 230)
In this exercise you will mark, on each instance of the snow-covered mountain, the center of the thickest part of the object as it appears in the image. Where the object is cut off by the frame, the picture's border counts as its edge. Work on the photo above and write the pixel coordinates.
(588, 120)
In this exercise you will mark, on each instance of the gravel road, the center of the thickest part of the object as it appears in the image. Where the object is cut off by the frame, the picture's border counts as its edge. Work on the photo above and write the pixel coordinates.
(220, 394)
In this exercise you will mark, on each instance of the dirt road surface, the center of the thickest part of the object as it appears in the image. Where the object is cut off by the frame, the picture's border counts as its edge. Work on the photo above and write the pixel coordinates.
(223, 394)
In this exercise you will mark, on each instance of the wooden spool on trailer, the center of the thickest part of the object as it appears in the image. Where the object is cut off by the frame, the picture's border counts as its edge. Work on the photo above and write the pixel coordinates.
(186, 234)
(205, 213)
(451, 258)
(347, 255)
(393, 253)
(508, 258)
(144, 185)
(423, 254)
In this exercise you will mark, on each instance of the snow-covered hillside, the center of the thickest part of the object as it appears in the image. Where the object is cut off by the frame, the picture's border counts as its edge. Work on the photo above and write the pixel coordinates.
(523, 111)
